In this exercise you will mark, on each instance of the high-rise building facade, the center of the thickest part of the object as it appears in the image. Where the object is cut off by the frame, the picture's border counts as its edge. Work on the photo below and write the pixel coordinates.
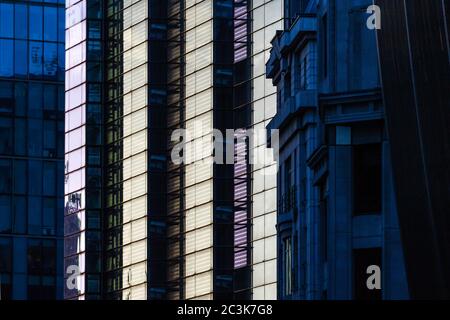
(414, 54)
(31, 148)
(138, 224)
(337, 221)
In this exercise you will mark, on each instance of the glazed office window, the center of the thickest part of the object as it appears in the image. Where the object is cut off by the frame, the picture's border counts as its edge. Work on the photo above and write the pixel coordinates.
(35, 100)
(35, 137)
(76, 55)
(289, 178)
(50, 97)
(303, 79)
(6, 265)
(198, 14)
(6, 216)
(50, 61)
(134, 209)
(5, 176)
(306, 66)
(6, 20)
(49, 139)
(5, 247)
(324, 29)
(35, 59)
(20, 215)
(35, 22)
(21, 98)
(75, 14)
(74, 223)
(61, 24)
(50, 24)
(6, 58)
(135, 78)
(49, 174)
(287, 266)
(287, 87)
(323, 208)
(134, 122)
(75, 97)
(367, 179)
(74, 244)
(20, 176)
(6, 136)
(21, 21)
(76, 34)
(20, 58)
(75, 118)
(6, 97)
(49, 216)
(134, 14)
(35, 215)
(75, 76)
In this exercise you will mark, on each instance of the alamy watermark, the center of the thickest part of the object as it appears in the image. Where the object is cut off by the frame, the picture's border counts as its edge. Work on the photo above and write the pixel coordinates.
(210, 146)
(374, 20)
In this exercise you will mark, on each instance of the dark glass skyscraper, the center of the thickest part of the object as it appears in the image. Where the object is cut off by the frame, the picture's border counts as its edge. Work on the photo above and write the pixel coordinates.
(414, 53)
(31, 148)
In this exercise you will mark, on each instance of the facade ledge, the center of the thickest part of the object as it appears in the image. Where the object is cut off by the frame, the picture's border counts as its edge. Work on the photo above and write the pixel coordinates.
(303, 29)
(303, 101)
(285, 220)
(346, 107)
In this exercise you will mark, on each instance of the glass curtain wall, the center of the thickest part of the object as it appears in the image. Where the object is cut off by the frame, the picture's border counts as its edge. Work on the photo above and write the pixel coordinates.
(198, 181)
(83, 140)
(267, 18)
(31, 148)
(126, 147)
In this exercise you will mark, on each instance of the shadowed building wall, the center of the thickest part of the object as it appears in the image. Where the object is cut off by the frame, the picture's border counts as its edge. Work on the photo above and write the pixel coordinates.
(414, 58)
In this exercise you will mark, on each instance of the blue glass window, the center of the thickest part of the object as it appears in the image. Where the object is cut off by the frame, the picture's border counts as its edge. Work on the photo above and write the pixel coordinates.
(34, 215)
(5, 255)
(21, 21)
(20, 215)
(20, 136)
(6, 20)
(50, 60)
(6, 134)
(35, 139)
(35, 100)
(5, 217)
(61, 61)
(50, 140)
(6, 97)
(35, 19)
(20, 176)
(50, 97)
(20, 97)
(50, 24)
(35, 179)
(35, 59)
(21, 58)
(49, 216)
(61, 24)
(5, 176)
(6, 58)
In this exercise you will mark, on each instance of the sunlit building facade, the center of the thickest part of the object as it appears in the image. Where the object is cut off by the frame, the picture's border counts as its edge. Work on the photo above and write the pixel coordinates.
(31, 149)
(139, 225)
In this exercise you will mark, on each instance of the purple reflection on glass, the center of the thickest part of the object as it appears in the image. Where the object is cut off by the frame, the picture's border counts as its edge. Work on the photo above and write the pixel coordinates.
(240, 201)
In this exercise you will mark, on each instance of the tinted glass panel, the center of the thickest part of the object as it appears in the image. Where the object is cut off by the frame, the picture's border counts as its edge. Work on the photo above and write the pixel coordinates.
(35, 21)
(6, 20)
